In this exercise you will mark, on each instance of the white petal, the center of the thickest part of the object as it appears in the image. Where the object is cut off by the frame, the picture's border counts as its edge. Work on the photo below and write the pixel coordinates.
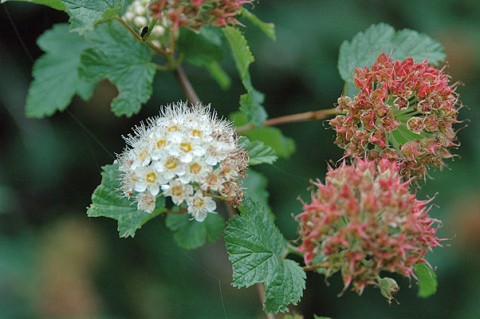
(140, 187)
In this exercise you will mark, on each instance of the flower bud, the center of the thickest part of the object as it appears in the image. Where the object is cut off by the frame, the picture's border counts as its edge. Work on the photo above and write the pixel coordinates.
(388, 288)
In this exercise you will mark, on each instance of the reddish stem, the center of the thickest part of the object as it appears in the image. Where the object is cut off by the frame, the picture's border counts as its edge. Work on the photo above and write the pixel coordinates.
(298, 117)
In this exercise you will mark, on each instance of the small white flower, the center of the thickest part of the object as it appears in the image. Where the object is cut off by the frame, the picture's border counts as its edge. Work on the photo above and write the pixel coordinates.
(212, 181)
(199, 206)
(148, 180)
(178, 191)
(146, 202)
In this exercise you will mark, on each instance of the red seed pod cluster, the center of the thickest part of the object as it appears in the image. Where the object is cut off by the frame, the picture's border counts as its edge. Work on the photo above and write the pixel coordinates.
(403, 111)
(363, 220)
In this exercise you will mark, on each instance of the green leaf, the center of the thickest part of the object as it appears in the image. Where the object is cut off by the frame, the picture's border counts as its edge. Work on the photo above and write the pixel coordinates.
(117, 56)
(219, 75)
(240, 52)
(321, 317)
(190, 234)
(255, 185)
(366, 46)
(251, 102)
(286, 287)
(55, 4)
(85, 14)
(258, 152)
(251, 106)
(282, 146)
(55, 75)
(108, 202)
(267, 28)
(256, 247)
(201, 48)
(271, 136)
(427, 280)
(419, 46)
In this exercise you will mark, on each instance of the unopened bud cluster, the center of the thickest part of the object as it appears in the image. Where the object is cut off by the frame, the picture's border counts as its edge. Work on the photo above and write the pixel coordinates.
(194, 14)
(187, 154)
(170, 15)
(139, 15)
(363, 221)
(403, 111)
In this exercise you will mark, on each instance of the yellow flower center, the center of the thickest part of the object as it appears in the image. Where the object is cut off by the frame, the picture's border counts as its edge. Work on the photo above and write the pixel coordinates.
(198, 202)
(173, 128)
(161, 143)
(171, 163)
(177, 190)
(195, 168)
(186, 147)
(196, 133)
(151, 177)
(142, 155)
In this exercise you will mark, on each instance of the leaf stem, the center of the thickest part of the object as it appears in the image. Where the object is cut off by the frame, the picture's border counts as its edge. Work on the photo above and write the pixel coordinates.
(139, 38)
(298, 117)
(133, 32)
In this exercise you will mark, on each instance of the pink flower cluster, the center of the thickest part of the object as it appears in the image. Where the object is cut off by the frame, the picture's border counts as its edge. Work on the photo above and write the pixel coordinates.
(403, 111)
(194, 14)
(363, 221)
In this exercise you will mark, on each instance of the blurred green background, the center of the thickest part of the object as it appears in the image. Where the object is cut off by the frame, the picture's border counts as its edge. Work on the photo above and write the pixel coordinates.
(57, 263)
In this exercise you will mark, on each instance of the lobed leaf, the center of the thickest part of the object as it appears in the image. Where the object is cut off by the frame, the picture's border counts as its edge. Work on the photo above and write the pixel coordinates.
(240, 51)
(251, 106)
(251, 102)
(267, 28)
(285, 288)
(427, 280)
(55, 74)
(255, 185)
(256, 247)
(108, 202)
(85, 14)
(117, 56)
(258, 152)
(283, 146)
(366, 46)
(201, 48)
(219, 75)
(190, 234)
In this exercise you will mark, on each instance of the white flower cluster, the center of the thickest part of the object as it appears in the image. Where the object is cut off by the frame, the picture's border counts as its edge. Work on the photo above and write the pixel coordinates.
(138, 14)
(187, 154)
